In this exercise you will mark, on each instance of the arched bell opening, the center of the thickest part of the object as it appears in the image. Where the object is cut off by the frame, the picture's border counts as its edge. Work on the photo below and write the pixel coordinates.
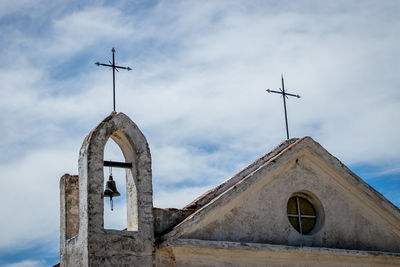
(123, 179)
(115, 211)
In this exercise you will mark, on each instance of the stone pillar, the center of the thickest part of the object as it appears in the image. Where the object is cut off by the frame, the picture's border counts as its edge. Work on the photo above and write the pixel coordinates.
(69, 217)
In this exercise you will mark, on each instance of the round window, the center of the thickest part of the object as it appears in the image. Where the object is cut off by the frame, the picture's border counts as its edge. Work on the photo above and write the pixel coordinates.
(301, 214)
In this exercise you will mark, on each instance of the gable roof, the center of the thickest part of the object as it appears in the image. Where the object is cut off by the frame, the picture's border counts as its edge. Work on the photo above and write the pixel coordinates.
(238, 183)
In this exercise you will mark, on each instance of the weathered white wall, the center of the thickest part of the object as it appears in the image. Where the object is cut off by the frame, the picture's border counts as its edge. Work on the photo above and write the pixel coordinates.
(166, 219)
(259, 213)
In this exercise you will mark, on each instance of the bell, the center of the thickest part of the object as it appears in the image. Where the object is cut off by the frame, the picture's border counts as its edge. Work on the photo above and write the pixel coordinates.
(111, 190)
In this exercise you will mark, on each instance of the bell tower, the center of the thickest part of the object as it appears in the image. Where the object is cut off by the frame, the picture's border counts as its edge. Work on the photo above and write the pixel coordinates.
(84, 241)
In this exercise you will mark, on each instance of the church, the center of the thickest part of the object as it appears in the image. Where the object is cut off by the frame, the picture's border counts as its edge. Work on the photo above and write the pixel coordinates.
(297, 205)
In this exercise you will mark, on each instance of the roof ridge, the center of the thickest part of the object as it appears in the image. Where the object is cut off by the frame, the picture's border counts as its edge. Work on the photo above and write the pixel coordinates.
(221, 188)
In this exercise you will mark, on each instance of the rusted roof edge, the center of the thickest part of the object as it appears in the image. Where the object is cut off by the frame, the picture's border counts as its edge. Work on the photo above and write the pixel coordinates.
(219, 189)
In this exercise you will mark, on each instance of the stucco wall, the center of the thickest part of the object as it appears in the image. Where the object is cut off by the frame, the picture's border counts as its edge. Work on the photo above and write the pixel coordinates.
(259, 213)
(166, 219)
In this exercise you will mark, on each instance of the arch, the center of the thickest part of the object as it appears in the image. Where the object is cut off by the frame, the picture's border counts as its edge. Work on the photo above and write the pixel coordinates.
(115, 219)
(135, 149)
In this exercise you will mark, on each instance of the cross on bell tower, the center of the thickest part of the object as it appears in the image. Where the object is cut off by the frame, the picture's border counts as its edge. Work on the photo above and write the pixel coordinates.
(284, 96)
(114, 68)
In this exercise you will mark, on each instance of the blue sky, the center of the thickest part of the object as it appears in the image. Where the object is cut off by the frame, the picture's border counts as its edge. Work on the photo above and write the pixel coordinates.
(197, 91)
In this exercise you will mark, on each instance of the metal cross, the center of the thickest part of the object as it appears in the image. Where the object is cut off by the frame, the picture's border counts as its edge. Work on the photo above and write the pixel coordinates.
(285, 95)
(115, 68)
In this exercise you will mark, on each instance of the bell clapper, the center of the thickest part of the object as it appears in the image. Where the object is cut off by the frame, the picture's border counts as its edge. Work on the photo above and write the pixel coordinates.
(111, 201)
(111, 189)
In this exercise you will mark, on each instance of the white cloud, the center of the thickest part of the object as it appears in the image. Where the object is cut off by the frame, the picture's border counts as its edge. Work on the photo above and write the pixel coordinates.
(181, 198)
(83, 28)
(32, 183)
(27, 263)
(197, 91)
(9, 6)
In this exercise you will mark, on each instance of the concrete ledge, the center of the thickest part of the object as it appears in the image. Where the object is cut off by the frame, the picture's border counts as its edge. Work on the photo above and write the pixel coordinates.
(197, 243)
(195, 252)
